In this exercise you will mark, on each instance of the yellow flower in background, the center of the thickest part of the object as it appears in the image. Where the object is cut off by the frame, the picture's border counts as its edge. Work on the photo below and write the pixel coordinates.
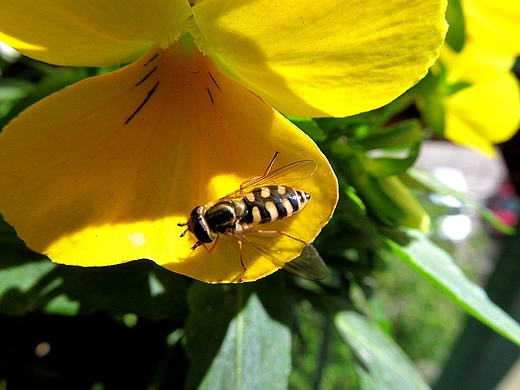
(494, 24)
(487, 110)
(103, 171)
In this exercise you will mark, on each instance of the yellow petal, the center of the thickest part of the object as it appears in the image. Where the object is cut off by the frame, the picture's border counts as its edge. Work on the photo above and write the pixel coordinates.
(103, 171)
(90, 32)
(475, 63)
(484, 114)
(322, 58)
(494, 24)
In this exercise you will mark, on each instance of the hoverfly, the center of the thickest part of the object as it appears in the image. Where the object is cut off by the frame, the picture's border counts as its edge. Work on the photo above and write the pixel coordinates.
(258, 202)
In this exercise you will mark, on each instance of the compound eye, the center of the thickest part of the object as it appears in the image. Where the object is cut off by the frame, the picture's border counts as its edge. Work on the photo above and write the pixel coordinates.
(199, 227)
(196, 213)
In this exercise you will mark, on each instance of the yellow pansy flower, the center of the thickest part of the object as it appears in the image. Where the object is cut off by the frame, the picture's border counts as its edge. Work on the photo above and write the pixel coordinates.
(487, 110)
(103, 171)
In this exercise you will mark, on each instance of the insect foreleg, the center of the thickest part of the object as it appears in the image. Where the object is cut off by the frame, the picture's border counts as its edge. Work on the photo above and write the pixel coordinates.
(197, 244)
(200, 243)
(214, 244)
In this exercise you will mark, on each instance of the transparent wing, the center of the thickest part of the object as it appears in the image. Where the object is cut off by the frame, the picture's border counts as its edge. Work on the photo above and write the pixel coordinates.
(309, 264)
(290, 175)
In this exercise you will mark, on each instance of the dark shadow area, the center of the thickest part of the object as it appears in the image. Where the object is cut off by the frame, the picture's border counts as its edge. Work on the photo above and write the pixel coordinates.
(57, 352)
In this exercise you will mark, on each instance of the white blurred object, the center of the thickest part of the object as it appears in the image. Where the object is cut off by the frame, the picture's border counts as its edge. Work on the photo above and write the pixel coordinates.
(455, 228)
(466, 171)
(483, 175)
(8, 53)
(454, 179)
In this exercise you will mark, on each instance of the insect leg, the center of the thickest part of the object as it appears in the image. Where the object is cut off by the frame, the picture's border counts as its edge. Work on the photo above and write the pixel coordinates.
(267, 170)
(214, 244)
(240, 251)
(199, 243)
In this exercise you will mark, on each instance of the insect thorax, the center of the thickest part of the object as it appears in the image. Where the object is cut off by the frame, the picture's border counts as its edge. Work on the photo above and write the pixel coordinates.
(223, 215)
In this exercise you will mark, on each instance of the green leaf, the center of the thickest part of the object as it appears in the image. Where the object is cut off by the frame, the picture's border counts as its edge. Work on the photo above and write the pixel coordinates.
(19, 289)
(429, 100)
(236, 337)
(310, 127)
(140, 287)
(354, 204)
(127, 288)
(58, 79)
(400, 135)
(436, 266)
(383, 364)
(388, 166)
(13, 249)
(368, 188)
(31, 282)
(434, 185)
(457, 32)
(14, 88)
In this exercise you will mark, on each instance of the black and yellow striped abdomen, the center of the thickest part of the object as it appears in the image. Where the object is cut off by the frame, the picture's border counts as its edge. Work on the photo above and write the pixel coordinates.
(271, 203)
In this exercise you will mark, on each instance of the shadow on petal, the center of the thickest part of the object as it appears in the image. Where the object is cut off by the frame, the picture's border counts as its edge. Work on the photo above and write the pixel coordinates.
(324, 58)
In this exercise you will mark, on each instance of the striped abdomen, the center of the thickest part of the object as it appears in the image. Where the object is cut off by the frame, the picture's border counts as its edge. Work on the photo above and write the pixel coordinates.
(271, 203)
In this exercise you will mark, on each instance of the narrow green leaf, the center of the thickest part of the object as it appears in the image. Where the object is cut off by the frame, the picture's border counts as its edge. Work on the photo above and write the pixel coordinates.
(436, 266)
(235, 339)
(352, 200)
(383, 364)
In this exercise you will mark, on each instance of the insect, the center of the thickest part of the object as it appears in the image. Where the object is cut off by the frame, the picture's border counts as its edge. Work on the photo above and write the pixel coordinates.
(258, 202)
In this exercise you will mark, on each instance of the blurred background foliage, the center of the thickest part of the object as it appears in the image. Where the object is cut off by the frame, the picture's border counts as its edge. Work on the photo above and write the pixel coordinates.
(386, 317)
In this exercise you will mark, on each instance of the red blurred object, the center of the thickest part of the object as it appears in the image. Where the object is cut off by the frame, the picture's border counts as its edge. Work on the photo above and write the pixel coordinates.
(506, 204)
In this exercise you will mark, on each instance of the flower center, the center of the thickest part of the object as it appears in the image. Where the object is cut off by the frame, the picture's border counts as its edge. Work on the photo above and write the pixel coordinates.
(194, 37)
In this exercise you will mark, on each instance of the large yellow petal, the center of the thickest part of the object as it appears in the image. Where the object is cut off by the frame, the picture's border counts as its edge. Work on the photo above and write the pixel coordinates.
(90, 32)
(322, 58)
(484, 113)
(101, 172)
(494, 23)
